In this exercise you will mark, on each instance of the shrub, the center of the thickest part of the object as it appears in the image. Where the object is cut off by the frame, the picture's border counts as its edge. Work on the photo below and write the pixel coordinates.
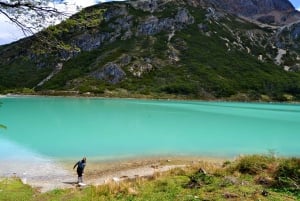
(287, 175)
(253, 164)
(179, 89)
(200, 178)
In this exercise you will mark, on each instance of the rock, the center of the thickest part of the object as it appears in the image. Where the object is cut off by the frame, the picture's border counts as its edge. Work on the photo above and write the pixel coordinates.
(295, 68)
(183, 16)
(290, 40)
(88, 42)
(65, 55)
(153, 25)
(196, 3)
(173, 54)
(127, 35)
(295, 31)
(180, 44)
(139, 68)
(265, 193)
(111, 73)
(282, 9)
(267, 181)
(203, 27)
(253, 7)
(231, 180)
(56, 70)
(125, 60)
(154, 166)
(114, 12)
(146, 5)
(116, 179)
(147, 60)
(121, 24)
(268, 19)
(213, 14)
(230, 195)
(149, 27)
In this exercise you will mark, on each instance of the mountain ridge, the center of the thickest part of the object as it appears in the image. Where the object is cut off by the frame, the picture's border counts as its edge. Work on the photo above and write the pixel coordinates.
(278, 12)
(190, 48)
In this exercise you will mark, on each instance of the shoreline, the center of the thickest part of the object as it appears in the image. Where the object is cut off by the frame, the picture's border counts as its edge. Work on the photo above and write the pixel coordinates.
(171, 98)
(60, 175)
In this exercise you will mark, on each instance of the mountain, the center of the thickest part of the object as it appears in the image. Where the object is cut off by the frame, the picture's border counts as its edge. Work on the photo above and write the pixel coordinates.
(203, 49)
(278, 12)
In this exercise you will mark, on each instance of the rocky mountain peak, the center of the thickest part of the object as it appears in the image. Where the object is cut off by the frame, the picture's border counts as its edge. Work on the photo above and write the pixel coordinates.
(277, 12)
(253, 7)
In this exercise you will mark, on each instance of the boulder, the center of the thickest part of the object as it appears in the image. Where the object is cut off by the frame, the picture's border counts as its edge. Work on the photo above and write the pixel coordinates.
(114, 12)
(295, 32)
(268, 19)
(153, 25)
(183, 16)
(139, 68)
(125, 60)
(148, 5)
(88, 42)
(111, 73)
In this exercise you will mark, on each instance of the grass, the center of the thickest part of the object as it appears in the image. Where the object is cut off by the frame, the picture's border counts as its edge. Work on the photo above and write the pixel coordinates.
(14, 189)
(261, 180)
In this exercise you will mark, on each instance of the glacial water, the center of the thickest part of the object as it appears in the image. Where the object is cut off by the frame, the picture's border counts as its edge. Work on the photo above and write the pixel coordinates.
(56, 127)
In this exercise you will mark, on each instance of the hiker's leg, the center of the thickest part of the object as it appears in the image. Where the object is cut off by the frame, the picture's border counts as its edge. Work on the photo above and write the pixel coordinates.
(79, 173)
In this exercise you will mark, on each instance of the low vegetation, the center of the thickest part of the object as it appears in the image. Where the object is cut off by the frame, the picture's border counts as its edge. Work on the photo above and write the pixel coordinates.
(247, 178)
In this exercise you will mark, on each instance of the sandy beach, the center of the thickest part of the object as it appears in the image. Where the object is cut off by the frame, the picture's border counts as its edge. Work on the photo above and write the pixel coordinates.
(45, 175)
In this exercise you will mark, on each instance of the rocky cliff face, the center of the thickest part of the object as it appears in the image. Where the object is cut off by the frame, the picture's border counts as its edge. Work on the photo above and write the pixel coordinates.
(267, 11)
(254, 7)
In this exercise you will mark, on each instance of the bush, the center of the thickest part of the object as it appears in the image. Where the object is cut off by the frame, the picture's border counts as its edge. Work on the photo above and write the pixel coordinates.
(287, 175)
(254, 164)
(200, 178)
(184, 89)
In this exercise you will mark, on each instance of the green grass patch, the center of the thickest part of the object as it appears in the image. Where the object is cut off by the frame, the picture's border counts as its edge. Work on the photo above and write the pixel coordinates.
(14, 189)
(202, 181)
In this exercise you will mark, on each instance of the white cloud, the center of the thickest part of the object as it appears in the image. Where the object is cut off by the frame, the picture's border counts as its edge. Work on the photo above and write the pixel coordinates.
(72, 5)
(8, 32)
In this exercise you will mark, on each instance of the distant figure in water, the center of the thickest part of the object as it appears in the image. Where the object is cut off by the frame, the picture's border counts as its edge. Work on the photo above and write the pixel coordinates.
(80, 169)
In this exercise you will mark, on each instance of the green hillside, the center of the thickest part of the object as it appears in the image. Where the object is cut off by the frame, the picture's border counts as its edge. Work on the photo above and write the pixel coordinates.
(173, 50)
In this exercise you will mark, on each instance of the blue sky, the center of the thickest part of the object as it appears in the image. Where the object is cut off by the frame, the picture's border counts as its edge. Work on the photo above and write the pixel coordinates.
(9, 32)
(296, 3)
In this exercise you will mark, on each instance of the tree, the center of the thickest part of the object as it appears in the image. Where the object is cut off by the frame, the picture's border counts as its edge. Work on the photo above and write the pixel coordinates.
(31, 15)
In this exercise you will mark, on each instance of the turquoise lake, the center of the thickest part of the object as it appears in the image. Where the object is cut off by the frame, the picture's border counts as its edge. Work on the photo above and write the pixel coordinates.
(56, 127)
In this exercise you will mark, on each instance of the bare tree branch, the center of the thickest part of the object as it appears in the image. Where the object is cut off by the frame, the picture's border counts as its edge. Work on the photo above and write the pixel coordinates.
(30, 16)
(23, 27)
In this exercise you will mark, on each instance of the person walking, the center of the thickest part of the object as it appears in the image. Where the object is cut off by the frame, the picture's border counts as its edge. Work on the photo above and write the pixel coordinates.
(80, 169)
